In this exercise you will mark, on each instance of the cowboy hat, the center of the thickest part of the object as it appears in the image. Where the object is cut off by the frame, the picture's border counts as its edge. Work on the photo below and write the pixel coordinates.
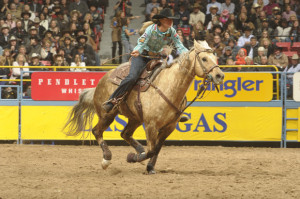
(25, 13)
(81, 36)
(196, 5)
(256, 5)
(213, 7)
(165, 13)
(74, 12)
(34, 55)
(12, 38)
(4, 26)
(36, 20)
(295, 56)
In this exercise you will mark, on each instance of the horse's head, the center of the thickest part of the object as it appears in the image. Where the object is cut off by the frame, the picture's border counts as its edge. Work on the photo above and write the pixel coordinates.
(206, 63)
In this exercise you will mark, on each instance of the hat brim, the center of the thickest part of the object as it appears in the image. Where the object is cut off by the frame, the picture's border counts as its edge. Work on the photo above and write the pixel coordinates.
(163, 16)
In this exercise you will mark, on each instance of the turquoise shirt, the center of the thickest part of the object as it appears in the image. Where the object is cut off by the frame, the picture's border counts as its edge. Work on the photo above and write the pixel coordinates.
(153, 40)
(123, 33)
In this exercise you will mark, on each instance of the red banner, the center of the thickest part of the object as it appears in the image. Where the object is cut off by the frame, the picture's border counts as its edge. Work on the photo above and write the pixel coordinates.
(62, 86)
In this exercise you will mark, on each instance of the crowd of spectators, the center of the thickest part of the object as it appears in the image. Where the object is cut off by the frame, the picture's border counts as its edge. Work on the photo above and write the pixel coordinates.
(240, 32)
(49, 33)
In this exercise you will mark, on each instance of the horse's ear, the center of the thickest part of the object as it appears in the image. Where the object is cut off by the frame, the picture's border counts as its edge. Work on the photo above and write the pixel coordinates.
(197, 46)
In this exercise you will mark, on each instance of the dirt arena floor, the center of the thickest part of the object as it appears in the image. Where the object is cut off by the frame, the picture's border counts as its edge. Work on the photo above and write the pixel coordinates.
(35, 171)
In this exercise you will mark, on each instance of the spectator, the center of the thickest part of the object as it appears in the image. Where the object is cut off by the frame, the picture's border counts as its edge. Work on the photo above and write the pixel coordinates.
(59, 61)
(252, 47)
(26, 9)
(265, 27)
(238, 6)
(26, 22)
(16, 13)
(278, 59)
(116, 26)
(22, 50)
(4, 37)
(10, 21)
(5, 8)
(291, 69)
(213, 3)
(80, 6)
(245, 39)
(288, 12)
(13, 46)
(213, 9)
(217, 45)
(214, 22)
(224, 17)
(88, 50)
(35, 7)
(44, 21)
(196, 15)
(6, 60)
(240, 58)
(264, 35)
(123, 5)
(282, 33)
(35, 61)
(89, 32)
(62, 21)
(79, 50)
(295, 32)
(126, 33)
(249, 61)
(268, 8)
(227, 55)
(49, 5)
(34, 46)
(255, 13)
(163, 4)
(48, 51)
(40, 29)
(266, 43)
(77, 63)
(243, 22)
(68, 48)
(16, 72)
(227, 5)
(217, 30)
(96, 20)
(260, 53)
(150, 6)
(184, 17)
(154, 11)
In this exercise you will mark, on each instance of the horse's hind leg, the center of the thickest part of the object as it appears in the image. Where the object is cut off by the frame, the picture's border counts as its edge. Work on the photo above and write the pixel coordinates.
(127, 136)
(98, 130)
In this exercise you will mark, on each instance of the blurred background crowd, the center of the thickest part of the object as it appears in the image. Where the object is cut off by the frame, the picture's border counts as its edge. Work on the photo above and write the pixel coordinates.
(69, 33)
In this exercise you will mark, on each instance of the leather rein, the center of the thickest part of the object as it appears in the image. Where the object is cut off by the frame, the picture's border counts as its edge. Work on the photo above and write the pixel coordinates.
(201, 89)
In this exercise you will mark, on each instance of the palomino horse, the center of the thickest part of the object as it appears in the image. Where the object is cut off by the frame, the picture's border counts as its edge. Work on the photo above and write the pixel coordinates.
(159, 116)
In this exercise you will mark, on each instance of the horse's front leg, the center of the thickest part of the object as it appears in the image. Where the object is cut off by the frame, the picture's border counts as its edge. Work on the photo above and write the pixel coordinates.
(162, 136)
(127, 136)
(151, 134)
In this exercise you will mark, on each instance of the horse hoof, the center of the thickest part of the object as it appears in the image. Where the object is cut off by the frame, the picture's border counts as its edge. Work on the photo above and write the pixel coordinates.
(131, 158)
(151, 172)
(105, 163)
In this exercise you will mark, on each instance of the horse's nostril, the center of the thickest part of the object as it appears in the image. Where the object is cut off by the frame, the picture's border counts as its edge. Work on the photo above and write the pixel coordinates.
(219, 76)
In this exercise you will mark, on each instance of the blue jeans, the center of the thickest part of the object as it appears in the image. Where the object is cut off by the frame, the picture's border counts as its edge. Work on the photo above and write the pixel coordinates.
(138, 64)
(128, 48)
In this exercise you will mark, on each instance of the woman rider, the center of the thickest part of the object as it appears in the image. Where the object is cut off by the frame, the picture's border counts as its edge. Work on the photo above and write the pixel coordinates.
(150, 44)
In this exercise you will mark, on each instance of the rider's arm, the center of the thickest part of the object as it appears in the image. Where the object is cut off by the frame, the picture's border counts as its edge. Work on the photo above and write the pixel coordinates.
(143, 40)
(178, 44)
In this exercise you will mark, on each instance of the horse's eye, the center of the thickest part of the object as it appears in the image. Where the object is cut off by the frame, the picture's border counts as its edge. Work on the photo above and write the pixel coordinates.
(204, 59)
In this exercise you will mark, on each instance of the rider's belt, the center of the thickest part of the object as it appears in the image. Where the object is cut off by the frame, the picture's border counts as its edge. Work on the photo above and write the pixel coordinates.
(151, 54)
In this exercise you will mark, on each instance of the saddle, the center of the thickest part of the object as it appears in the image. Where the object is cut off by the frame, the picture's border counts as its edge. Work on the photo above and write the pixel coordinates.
(143, 83)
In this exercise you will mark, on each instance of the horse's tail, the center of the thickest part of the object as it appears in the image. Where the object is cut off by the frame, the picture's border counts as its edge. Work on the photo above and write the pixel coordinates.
(82, 113)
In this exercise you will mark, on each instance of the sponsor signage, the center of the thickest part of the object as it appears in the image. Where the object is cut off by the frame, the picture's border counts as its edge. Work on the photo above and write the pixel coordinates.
(237, 87)
(296, 86)
(206, 123)
(62, 86)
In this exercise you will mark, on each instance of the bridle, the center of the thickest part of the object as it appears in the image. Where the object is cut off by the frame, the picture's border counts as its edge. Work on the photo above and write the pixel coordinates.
(206, 72)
